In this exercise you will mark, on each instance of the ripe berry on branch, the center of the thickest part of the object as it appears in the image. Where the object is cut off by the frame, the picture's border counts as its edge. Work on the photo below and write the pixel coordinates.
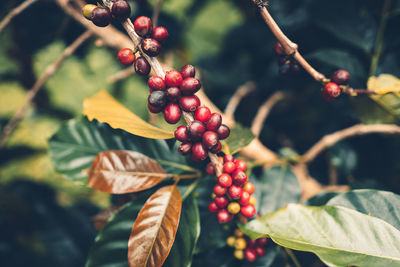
(223, 132)
(142, 66)
(221, 201)
(340, 76)
(157, 99)
(185, 148)
(143, 26)
(181, 134)
(199, 152)
(196, 130)
(248, 210)
(172, 113)
(101, 16)
(250, 254)
(173, 78)
(213, 207)
(225, 180)
(189, 103)
(229, 167)
(217, 148)
(126, 56)
(173, 94)
(151, 47)
(214, 122)
(210, 170)
(190, 86)
(156, 83)
(202, 114)
(121, 10)
(331, 91)
(219, 190)
(160, 34)
(235, 191)
(223, 216)
(210, 139)
(188, 71)
(278, 49)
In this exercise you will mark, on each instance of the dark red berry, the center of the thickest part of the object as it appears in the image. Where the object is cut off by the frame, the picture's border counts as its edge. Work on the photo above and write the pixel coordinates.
(210, 139)
(126, 56)
(172, 113)
(188, 71)
(214, 122)
(235, 191)
(190, 86)
(262, 241)
(278, 48)
(196, 130)
(225, 180)
(260, 251)
(185, 148)
(156, 83)
(251, 243)
(181, 134)
(340, 76)
(101, 16)
(142, 67)
(157, 99)
(326, 97)
(248, 210)
(250, 254)
(153, 109)
(160, 34)
(239, 177)
(121, 10)
(213, 208)
(210, 170)
(332, 90)
(223, 132)
(199, 152)
(151, 47)
(202, 114)
(244, 198)
(173, 94)
(223, 216)
(240, 164)
(143, 26)
(229, 167)
(173, 78)
(221, 201)
(217, 148)
(189, 103)
(228, 158)
(219, 190)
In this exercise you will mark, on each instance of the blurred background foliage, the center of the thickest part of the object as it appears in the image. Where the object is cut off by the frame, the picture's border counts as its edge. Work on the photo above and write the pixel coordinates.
(46, 220)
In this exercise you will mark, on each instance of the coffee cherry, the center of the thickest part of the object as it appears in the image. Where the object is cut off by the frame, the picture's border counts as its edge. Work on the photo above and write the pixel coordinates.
(202, 114)
(260, 251)
(229, 167)
(143, 26)
(244, 198)
(189, 103)
(210, 170)
(199, 152)
(262, 241)
(210, 139)
(225, 180)
(142, 67)
(219, 190)
(223, 132)
(340, 76)
(278, 48)
(172, 113)
(213, 195)
(233, 207)
(240, 243)
(101, 16)
(238, 233)
(223, 216)
(157, 99)
(238, 254)
(213, 207)
(235, 191)
(240, 164)
(230, 241)
(239, 177)
(325, 97)
(228, 158)
(173, 78)
(196, 130)
(252, 200)
(185, 148)
(181, 134)
(249, 188)
(156, 83)
(121, 10)
(248, 210)
(214, 122)
(190, 86)
(87, 11)
(160, 34)
(332, 90)
(126, 56)
(188, 71)
(173, 94)
(217, 148)
(221, 201)
(251, 243)
(153, 109)
(151, 47)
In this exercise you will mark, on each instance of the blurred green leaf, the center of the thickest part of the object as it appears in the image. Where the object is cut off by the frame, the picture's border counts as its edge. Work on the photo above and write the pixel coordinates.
(176, 8)
(7, 64)
(239, 138)
(12, 98)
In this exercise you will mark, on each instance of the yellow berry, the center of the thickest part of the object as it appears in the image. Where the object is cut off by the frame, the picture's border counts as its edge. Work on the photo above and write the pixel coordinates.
(87, 10)
(252, 200)
(230, 241)
(238, 254)
(238, 233)
(213, 195)
(234, 207)
(240, 243)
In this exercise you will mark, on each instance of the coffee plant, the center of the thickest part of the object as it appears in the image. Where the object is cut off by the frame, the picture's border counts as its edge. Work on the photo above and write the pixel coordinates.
(190, 185)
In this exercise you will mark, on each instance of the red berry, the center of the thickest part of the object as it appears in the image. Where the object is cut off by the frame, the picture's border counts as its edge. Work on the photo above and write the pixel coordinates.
(121, 10)
(223, 216)
(235, 191)
(185, 148)
(219, 190)
(153, 109)
(173, 94)
(262, 241)
(249, 187)
(278, 48)
(151, 47)
(172, 113)
(196, 130)
(126, 57)
(248, 210)
(202, 114)
(188, 71)
(228, 158)
(217, 148)
(160, 34)
(332, 90)
(229, 167)
(157, 99)
(214, 122)
(244, 198)
(223, 132)
(239, 177)
(240, 164)
(190, 86)
(189, 103)
(173, 78)
(251, 243)
(213, 208)
(225, 180)
(199, 152)
(210, 170)
(156, 83)
(340, 76)
(325, 97)
(142, 67)
(143, 26)
(181, 134)
(221, 201)
(101, 16)
(260, 251)
(210, 139)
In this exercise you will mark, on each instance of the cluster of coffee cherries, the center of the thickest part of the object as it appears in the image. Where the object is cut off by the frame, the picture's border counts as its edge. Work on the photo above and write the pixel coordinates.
(246, 248)
(286, 62)
(332, 90)
(233, 193)
(101, 16)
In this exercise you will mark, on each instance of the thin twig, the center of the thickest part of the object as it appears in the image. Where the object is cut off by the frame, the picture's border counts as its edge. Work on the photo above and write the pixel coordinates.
(121, 75)
(293, 257)
(156, 12)
(359, 129)
(16, 11)
(240, 93)
(50, 70)
(264, 111)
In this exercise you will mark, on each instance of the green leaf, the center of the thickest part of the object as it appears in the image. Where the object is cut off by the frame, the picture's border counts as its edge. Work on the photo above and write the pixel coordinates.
(12, 98)
(239, 138)
(338, 236)
(277, 187)
(8, 65)
(77, 142)
(381, 204)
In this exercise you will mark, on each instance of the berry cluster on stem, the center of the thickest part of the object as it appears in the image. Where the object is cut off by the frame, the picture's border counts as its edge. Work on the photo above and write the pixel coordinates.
(246, 248)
